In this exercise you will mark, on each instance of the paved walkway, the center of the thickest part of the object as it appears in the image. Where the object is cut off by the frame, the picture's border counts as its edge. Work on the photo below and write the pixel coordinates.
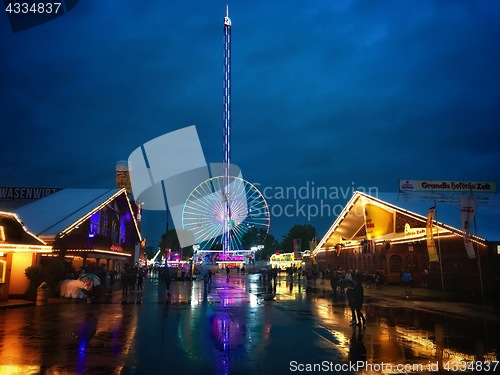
(231, 329)
(423, 299)
(388, 295)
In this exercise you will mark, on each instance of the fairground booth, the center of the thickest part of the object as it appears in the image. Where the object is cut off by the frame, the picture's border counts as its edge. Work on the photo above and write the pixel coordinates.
(19, 249)
(91, 228)
(231, 259)
(284, 261)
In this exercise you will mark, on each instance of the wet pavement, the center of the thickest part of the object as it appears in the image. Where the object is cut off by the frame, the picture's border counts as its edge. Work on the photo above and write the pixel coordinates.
(232, 329)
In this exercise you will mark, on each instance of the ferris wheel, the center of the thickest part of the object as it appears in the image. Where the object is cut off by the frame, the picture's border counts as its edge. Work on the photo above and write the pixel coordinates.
(203, 212)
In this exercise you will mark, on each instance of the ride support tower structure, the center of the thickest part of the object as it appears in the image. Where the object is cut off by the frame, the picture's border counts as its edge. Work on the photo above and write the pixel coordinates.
(226, 236)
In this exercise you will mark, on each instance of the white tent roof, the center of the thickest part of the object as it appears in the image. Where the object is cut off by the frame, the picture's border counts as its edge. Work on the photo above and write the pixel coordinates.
(350, 221)
(13, 232)
(49, 216)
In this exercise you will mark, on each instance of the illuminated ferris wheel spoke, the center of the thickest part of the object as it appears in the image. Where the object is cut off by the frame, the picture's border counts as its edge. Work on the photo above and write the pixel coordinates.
(203, 212)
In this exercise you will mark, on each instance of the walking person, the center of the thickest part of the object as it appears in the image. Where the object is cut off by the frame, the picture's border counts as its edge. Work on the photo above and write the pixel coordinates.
(334, 278)
(124, 282)
(132, 278)
(406, 278)
(350, 300)
(359, 299)
(140, 280)
(166, 280)
(107, 283)
(425, 274)
(166, 277)
(275, 278)
(206, 278)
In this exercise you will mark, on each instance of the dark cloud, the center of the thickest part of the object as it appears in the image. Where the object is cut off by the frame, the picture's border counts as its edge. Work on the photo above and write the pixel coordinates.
(340, 93)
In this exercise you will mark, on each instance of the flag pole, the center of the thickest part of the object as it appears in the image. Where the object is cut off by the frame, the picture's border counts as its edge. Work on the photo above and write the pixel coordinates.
(479, 263)
(478, 256)
(440, 256)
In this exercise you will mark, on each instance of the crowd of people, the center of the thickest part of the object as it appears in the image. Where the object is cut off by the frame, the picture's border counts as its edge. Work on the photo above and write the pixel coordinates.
(346, 285)
(132, 278)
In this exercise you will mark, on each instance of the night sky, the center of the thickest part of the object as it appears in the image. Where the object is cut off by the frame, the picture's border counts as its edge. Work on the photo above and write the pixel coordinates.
(339, 94)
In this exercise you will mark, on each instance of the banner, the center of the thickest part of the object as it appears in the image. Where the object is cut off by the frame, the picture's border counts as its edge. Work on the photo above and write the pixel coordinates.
(312, 244)
(431, 246)
(297, 246)
(467, 213)
(371, 247)
(378, 221)
(457, 186)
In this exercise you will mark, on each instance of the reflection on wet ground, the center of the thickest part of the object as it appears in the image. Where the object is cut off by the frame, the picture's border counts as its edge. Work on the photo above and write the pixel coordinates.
(231, 329)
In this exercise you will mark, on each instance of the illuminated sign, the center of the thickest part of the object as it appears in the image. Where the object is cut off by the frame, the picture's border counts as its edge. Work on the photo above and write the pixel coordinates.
(413, 231)
(229, 258)
(116, 248)
(21, 193)
(456, 186)
(26, 248)
(287, 257)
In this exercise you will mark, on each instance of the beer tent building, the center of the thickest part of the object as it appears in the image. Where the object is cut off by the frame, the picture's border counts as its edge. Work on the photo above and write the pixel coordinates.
(372, 235)
(89, 227)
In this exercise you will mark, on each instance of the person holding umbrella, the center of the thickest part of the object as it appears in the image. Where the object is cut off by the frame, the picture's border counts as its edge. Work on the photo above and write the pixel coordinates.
(92, 281)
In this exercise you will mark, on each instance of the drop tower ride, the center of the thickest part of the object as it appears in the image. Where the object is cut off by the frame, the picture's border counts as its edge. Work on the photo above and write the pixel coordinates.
(226, 236)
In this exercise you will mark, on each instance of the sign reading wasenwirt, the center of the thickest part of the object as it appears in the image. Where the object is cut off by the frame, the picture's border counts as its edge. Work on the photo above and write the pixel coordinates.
(12, 193)
(456, 186)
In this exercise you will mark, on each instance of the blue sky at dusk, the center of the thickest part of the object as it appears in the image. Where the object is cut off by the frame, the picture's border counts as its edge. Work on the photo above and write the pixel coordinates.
(338, 94)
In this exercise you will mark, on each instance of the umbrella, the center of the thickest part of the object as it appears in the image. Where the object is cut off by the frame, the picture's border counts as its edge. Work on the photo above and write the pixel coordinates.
(345, 283)
(90, 277)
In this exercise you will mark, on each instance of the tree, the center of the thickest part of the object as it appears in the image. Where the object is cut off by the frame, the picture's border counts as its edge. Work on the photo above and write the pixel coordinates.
(52, 270)
(304, 232)
(270, 246)
(170, 241)
(255, 238)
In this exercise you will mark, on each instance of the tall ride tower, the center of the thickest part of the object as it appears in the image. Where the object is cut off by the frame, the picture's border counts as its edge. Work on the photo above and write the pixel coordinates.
(226, 236)
(241, 209)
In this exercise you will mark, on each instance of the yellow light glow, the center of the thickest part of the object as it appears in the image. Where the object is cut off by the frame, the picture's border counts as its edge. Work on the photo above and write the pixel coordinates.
(2, 234)
(25, 248)
(19, 369)
(98, 251)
